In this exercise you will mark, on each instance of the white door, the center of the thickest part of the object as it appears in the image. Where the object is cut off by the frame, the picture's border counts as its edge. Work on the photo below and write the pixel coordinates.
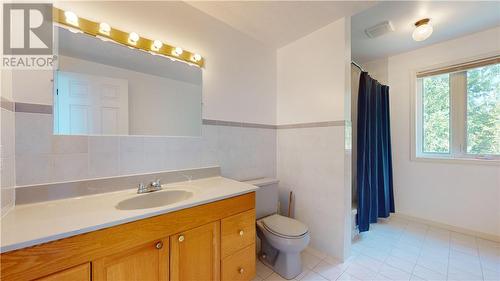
(91, 105)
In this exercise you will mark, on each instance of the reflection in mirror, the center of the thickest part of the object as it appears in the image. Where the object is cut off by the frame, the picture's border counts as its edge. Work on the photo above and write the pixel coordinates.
(103, 88)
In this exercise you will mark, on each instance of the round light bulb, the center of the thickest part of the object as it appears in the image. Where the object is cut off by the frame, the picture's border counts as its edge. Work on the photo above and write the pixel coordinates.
(71, 18)
(423, 29)
(196, 57)
(133, 38)
(156, 46)
(104, 28)
(178, 51)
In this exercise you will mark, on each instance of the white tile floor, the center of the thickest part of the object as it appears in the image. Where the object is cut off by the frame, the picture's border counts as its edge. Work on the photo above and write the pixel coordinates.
(396, 249)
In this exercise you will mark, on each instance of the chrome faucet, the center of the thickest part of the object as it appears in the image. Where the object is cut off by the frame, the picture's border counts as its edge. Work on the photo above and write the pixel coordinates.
(153, 186)
(156, 184)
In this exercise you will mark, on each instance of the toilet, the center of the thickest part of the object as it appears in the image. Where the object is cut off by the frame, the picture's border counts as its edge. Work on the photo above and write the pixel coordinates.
(282, 238)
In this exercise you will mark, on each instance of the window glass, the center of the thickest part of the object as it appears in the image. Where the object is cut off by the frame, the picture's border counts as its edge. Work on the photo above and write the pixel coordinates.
(483, 110)
(436, 114)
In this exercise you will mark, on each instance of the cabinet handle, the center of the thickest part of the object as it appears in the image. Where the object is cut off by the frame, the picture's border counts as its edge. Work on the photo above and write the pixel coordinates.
(241, 232)
(241, 270)
(159, 245)
(181, 238)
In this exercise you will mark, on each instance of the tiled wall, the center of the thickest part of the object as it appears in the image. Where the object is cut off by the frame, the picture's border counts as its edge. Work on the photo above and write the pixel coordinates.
(7, 156)
(310, 163)
(242, 152)
(314, 162)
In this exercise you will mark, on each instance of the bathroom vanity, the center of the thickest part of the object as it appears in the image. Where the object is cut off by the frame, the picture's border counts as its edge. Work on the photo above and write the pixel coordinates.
(209, 236)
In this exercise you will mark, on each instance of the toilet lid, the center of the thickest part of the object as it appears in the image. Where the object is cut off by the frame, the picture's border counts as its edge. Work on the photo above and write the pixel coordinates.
(284, 226)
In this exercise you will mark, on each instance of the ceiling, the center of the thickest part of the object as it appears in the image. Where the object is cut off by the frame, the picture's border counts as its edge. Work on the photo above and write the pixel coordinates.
(277, 23)
(449, 20)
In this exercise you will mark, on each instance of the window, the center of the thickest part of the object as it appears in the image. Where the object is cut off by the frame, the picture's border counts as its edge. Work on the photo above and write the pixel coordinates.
(458, 112)
(483, 110)
(436, 114)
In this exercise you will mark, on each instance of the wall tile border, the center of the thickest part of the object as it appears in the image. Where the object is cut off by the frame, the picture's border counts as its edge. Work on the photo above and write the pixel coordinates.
(33, 108)
(47, 109)
(6, 104)
(53, 191)
(312, 125)
(237, 124)
(266, 126)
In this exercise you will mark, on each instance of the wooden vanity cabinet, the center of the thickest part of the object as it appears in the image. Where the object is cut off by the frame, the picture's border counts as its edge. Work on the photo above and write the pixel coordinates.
(145, 262)
(195, 254)
(239, 266)
(237, 232)
(238, 247)
(215, 241)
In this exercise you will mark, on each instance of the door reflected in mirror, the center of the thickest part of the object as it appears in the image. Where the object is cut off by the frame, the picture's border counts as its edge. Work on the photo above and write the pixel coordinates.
(103, 88)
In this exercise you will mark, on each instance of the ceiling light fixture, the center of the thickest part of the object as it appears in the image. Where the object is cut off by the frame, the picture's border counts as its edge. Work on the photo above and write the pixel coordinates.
(423, 29)
(103, 31)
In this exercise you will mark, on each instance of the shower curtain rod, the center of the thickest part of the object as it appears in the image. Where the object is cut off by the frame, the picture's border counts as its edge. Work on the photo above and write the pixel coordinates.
(357, 65)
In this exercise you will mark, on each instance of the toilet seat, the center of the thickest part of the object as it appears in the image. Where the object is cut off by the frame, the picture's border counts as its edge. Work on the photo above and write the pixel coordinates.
(285, 227)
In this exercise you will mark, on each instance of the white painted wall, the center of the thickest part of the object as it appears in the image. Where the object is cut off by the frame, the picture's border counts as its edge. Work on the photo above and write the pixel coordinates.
(38, 91)
(157, 105)
(462, 195)
(311, 76)
(313, 81)
(239, 79)
(378, 69)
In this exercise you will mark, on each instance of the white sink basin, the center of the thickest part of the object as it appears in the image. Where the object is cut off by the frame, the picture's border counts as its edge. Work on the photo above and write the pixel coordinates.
(154, 199)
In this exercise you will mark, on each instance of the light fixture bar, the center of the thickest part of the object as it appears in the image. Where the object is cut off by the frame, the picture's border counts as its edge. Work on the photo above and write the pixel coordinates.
(93, 28)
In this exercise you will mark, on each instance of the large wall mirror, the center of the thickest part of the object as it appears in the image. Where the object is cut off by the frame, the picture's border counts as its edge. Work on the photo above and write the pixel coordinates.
(104, 88)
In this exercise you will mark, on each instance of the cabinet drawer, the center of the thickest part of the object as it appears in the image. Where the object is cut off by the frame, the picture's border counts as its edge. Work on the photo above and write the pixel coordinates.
(240, 265)
(237, 232)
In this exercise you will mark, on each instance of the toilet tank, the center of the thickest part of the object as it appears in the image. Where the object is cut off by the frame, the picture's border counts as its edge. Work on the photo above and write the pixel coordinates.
(266, 197)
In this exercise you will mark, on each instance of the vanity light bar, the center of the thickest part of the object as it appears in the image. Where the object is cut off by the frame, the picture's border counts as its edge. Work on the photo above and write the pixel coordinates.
(132, 39)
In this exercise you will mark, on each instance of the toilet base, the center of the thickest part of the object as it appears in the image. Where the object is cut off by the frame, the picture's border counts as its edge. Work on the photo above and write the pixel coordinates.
(287, 265)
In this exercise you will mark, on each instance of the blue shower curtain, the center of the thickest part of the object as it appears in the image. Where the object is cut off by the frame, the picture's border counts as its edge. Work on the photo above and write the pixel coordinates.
(374, 161)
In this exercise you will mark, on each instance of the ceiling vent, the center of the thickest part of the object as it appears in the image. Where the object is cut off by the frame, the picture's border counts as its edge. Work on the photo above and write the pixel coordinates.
(379, 29)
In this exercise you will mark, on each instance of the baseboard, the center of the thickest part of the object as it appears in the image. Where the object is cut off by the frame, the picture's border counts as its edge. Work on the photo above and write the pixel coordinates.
(449, 227)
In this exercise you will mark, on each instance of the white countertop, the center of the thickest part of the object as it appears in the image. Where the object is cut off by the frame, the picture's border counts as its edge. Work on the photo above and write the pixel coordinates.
(32, 224)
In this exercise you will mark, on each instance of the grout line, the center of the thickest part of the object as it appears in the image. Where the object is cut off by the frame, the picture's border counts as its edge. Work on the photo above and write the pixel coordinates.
(119, 155)
(324, 260)
(479, 257)
(449, 255)
(419, 254)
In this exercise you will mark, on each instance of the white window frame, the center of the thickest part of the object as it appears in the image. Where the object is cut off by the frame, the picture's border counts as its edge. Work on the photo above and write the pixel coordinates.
(458, 122)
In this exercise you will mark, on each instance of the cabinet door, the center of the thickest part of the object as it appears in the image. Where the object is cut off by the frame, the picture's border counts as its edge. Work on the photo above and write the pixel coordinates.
(195, 254)
(77, 273)
(145, 262)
